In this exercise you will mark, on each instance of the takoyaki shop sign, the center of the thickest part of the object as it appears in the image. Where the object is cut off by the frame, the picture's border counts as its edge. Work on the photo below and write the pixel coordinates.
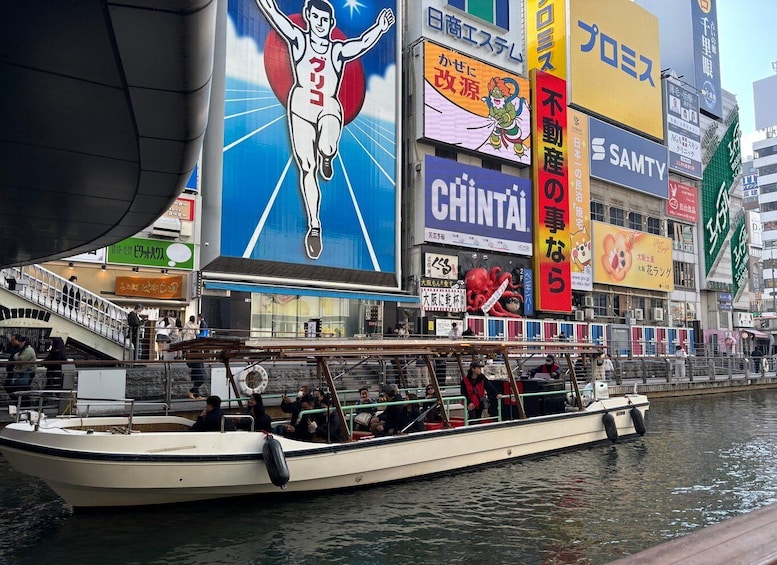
(477, 208)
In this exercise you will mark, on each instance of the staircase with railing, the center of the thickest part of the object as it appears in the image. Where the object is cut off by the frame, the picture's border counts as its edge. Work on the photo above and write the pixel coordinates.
(69, 301)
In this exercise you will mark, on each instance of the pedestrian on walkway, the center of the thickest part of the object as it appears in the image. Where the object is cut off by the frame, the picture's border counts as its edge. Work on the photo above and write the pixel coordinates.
(679, 362)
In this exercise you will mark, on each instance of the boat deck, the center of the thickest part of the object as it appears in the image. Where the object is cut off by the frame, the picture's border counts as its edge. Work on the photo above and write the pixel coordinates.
(749, 539)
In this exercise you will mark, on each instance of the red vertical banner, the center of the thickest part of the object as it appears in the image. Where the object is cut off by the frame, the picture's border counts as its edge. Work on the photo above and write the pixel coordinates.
(552, 242)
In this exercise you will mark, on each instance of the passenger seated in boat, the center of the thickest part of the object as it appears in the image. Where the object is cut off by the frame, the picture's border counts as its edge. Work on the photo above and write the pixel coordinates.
(328, 424)
(364, 415)
(386, 422)
(476, 388)
(209, 419)
(410, 419)
(433, 415)
(550, 369)
(262, 421)
(293, 408)
(304, 428)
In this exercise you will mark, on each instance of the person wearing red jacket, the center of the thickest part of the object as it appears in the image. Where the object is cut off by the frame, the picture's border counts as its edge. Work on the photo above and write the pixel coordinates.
(476, 388)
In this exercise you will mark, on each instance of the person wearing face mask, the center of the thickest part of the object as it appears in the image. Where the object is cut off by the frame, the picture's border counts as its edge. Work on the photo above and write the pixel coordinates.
(549, 368)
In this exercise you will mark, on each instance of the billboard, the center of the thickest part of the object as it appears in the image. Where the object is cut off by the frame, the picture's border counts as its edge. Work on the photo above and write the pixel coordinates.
(478, 208)
(579, 200)
(739, 254)
(475, 106)
(704, 17)
(683, 202)
(310, 134)
(615, 63)
(490, 29)
(552, 261)
(141, 252)
(546, 36)
(631, 258)
(627, 159)
(719, 175)
(683, 134)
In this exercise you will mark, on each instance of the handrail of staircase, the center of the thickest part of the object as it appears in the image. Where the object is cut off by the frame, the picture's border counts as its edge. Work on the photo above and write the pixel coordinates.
(51, 291)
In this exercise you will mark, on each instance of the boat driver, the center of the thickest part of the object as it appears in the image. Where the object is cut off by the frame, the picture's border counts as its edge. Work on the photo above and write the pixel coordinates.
(550, 368)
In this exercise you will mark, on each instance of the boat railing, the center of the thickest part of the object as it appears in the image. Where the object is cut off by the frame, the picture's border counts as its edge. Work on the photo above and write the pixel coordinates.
(224, 418)
(73, 409)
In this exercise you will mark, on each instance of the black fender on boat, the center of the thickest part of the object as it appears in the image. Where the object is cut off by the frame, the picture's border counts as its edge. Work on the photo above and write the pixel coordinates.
(610, 427)
(275, 462)
(639, 421)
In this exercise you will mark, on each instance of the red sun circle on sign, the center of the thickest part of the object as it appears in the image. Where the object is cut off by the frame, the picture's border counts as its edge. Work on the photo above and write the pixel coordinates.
(277, 64)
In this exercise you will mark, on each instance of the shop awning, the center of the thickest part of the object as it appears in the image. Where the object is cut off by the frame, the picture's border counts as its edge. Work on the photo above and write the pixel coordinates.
(756, 333)
(300, 291)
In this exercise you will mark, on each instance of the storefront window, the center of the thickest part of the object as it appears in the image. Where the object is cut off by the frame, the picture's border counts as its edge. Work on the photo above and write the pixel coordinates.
(287, 315)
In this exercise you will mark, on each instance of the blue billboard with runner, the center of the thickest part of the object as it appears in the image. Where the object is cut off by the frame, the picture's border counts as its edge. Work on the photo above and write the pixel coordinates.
(310, 133)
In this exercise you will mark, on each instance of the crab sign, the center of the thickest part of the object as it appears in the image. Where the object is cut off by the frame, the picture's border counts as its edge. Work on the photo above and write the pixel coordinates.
(493, 292)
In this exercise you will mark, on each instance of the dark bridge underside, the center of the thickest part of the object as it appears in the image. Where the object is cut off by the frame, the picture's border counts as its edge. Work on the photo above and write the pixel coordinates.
(103, 107)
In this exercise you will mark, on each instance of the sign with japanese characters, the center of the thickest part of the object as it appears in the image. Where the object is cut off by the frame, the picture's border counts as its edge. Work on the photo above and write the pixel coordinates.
(152, 253)
(182, 208)
(755, 229)
(624, 257)
(438, 266)
(96, 256)
(490, 30)
(724, 168)
(310, 149)
(439, 299)
(629, 160)
(546, 36)
(553, 256)
(168, 287)
(704, 15)
(739, 255)
(683, 135)
(475, 207)
(580, 200)
(683, 203)
(615, 63)
(475, 106)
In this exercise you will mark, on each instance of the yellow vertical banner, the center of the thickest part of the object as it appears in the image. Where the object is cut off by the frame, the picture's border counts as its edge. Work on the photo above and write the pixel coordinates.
(546, 36)
(579, 200)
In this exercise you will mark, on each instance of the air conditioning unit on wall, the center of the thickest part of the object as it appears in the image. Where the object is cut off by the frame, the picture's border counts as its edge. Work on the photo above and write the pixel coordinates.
(589, 301)
(658, 314)
(589, 313)
(579, 315)
(639, 314)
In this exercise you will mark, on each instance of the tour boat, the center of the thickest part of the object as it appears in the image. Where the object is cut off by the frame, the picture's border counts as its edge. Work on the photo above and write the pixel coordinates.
(129, 460)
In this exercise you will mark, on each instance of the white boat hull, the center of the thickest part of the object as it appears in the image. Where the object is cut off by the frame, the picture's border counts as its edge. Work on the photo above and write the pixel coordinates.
(101, 469)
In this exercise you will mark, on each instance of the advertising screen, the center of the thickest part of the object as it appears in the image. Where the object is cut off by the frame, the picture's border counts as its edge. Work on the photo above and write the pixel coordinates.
(475, 106)
(310, 134)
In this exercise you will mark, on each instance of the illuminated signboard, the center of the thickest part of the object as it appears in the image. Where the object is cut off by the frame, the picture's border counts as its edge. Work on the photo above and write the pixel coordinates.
(631, 258)
(546, 36)
(152, 253)
(683, 135)
(704, 17)
(683, 202)
(478, 208)
(475, 106)
(310, 141)
(579, 201)
(615, 63)
(552, 222)
(739, 255)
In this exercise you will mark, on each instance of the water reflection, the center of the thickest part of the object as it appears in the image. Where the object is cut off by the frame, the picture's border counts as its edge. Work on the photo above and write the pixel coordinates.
(703, 459)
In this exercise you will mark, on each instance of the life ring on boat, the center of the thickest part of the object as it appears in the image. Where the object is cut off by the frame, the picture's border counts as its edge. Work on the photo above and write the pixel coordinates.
(610, 427)
(275, 462)
(639, 421)
(764, 365)
(252, 380)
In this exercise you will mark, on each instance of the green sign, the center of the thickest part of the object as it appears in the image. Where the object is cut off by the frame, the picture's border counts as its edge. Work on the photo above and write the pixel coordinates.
(152, 253)
(719, 175)
(739, 255)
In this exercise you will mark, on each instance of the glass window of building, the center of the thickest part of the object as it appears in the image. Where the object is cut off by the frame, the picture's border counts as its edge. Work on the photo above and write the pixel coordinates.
(765, 152)
(635, 221)
(600, 304)
(767, 170)
(768, 207)
(597, 211)
(492, 165)
(682, 236)
(684, 275)
(443, 153)
(654, 225)
(617, 216)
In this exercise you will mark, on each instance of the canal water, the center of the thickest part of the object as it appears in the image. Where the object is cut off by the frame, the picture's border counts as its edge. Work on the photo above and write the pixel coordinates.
(704, 459)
